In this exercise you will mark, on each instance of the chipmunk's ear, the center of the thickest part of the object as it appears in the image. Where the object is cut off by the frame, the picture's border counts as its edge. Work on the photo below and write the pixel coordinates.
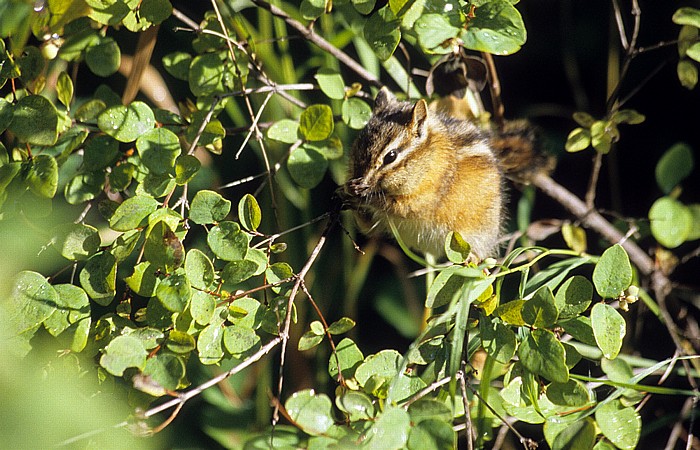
(420, 114)
(384, 98)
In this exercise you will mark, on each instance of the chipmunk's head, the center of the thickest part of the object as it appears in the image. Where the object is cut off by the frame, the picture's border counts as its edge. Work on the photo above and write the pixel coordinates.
(380, 156)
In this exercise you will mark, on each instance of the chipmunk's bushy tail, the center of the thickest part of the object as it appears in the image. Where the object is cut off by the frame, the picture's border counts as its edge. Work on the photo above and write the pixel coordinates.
(520, 151)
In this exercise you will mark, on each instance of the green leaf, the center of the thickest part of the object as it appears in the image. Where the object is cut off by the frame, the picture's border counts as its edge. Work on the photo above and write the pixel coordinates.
(309, 340)
(186, 167)
(249, 213)
(349, 358)
(158, 149)
(277, 272)
(434, 30)
(208, 207)
(76, 241)
(126, 123)
(73, 313)
(687, 16)
(687, 73)
(446, 285)
(671, 222)
(202, 306)
(310, 411)
(608, 328)
(340, 326)
(577, 435)
(84, 187)
(693, 52)
(35, 120)
(511, 312)
(674, 166)
(384, 364)
(613, 272)
(241, 341)
(42, 176)
(390, 430)
(132, 213)
(100, 152)
(177, 64)
(497, 339)
(144, 280)
(572, 393)
(236, 272)
(103, 58)
(584, 119)
(622, 425)
(331, 83)
(163, 248)
(6, 114)
(356, 113)
(200, 270)
(32, 301)
(364, 6)
(307, 167)
(209, 344)
(252, 311)
(456, 248)
(580, 328)
(579, 139)
(540, 311)
(99, 278)
(573, 297)
(431, 434)
(285, 130)
(64, 89)
(629, 116)
(316, 122)
(166, 370)
(695, 229)
(123, 352)
(497, 28)
(312, 9)
(228, 242)
(88, 111)
(357, 405)
(174, 292)
(206, 74)
(382, 33)
(541, 353)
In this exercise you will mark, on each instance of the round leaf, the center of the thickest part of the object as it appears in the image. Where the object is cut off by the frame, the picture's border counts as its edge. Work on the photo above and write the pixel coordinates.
(622, 425)
(316, 122)
(331, 83)
(126, 123)
(241, 341)
(540, 311)
(307, 167)
(228, 242)
(104, 58)
(76, 241)
(541, 353)
(174, 292)
(497, 339)
(608, 329)
(123, 352)
(391, 429)
(613, 272)
(285, 130)
(186, 167)
(35, 120)
(144, 280)
(674, 166)
(209, 344)
(573, 297)
(310, 411)
(32, 301)
(42, 176)
(671, 222)
(158, 149)
(208, 207)
(199, 269)
(132, 213)
(497, 28)
(236, 272)
(100, 152)
(165, 369)
(202, 306)
(356, 113)
(99, 278)
(205, 75)
(177, 64)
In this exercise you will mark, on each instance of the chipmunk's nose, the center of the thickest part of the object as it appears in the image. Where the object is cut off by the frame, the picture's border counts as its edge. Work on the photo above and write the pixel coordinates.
(356, 187)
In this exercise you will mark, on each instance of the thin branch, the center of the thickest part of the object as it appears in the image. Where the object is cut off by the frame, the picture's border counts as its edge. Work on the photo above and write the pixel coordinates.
(593, 182)
(321, 43)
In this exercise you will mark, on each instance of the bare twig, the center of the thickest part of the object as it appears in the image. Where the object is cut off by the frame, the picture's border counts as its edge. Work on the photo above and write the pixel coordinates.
(321, 43)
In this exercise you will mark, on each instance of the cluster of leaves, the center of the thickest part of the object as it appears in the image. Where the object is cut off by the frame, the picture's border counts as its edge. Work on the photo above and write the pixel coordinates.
(383, 396)
(688, 45)
(147, 300)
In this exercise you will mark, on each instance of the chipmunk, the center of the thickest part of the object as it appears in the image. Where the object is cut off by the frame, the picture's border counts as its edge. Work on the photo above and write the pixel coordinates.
(428, 174)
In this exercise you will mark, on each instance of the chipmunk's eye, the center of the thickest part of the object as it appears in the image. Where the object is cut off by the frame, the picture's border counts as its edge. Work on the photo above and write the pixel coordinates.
(390, 157)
